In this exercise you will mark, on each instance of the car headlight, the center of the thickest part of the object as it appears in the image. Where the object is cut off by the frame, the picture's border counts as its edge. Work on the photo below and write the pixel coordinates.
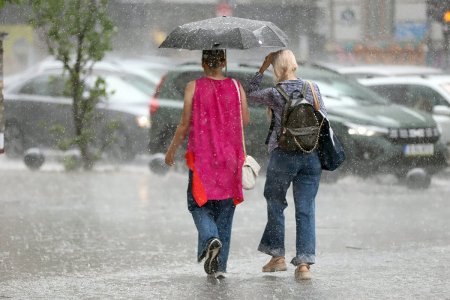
(143, 121)
(365, 130)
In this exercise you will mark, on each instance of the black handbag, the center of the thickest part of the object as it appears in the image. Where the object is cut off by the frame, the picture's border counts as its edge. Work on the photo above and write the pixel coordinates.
(331, 152)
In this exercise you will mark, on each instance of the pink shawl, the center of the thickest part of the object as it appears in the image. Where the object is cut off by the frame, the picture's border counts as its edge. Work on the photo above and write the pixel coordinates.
(215, 154)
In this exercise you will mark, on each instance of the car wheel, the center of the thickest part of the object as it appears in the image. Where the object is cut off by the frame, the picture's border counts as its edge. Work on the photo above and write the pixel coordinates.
(14, 141)
(416, 179)
(157, 164)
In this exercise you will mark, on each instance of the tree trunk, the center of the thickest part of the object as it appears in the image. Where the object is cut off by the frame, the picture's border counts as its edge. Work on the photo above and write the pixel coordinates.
(2, 120)
(79, 122)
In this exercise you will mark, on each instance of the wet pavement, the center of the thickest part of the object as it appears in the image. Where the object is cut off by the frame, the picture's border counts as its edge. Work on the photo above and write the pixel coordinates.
(125, 233)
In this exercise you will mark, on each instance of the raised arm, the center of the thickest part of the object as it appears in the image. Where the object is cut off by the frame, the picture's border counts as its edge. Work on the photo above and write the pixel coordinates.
(255, 93)
(258, 95)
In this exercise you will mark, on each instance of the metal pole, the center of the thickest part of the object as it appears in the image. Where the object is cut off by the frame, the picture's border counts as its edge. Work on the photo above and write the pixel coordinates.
(446, 46)
(2, 109)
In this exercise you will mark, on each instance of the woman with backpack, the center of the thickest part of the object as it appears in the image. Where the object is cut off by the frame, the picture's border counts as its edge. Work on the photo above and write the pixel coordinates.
(301, 169)
(215, 110)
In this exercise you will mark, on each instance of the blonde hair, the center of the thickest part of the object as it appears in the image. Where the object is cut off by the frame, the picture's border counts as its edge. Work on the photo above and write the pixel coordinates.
(284, 63)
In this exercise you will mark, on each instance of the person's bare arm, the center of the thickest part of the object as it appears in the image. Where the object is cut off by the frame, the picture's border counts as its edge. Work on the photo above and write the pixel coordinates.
(183, 126)
(267, 62)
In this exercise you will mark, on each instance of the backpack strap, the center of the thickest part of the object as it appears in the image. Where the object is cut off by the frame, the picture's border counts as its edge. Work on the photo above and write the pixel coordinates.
(282, 92)
(283, 117)
(286, 106)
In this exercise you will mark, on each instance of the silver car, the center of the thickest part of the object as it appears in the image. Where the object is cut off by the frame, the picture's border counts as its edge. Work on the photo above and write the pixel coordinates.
(35, 105)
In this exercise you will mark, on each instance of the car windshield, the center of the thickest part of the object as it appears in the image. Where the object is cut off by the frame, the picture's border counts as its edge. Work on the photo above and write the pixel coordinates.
(174, 84)
(341, 91)
(146, 86)
(121, 88)
(337, 89)
(446, 87)
(157, 73)
(120, 92)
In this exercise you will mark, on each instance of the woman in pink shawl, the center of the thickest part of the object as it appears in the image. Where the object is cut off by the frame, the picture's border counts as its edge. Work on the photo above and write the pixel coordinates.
(215, 109)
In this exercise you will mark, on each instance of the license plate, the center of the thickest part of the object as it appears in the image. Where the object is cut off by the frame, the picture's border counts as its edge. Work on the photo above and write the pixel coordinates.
(418, 149)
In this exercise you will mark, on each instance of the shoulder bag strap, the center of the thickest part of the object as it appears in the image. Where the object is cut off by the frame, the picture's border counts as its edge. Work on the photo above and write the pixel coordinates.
(304, 88)
(316, 102)
(240, 114)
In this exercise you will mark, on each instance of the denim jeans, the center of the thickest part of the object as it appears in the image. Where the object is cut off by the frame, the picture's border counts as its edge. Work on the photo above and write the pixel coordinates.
(303, 171)
(213, 220)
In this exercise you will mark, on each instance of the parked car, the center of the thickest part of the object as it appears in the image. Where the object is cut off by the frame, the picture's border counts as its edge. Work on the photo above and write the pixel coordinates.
(429, 93)
(150, 67)
(378, 136)
(35, 105)
(140, 78)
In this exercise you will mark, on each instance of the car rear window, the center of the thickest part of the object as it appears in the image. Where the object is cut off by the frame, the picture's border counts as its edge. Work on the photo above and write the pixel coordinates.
(175, 83)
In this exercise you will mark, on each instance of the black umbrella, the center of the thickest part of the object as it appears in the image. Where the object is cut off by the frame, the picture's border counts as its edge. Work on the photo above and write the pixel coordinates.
(226, 33)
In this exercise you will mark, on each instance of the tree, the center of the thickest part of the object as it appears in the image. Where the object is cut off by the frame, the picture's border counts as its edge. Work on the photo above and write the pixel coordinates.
(78, 34)
(3, 2)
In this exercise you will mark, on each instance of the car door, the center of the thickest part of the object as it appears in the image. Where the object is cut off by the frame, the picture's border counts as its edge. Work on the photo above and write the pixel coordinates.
(42, 110)
(426, 98)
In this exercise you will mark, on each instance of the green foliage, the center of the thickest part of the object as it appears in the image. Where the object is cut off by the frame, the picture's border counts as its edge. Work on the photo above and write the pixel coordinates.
(4, 2)
(78, 33)
(82, 26)
(71, 162)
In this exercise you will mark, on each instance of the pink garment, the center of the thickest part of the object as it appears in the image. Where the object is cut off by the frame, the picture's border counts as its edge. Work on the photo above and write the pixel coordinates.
(215, 140)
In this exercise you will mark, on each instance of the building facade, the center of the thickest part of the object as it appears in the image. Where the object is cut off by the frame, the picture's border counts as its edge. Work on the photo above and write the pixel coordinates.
(390, 31)
(345, 31)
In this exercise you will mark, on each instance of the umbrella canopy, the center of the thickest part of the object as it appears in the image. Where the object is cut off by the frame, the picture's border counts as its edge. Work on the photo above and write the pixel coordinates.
(225, 33)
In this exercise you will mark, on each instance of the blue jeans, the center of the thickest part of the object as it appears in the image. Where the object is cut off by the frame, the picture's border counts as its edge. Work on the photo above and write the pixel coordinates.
(213, 220)
(303, 171)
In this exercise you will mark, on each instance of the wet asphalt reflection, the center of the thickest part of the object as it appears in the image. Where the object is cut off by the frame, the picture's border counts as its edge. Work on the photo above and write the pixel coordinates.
(126, 234)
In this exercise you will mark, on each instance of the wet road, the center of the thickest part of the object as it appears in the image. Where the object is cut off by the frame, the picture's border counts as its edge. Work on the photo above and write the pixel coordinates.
(125, 233)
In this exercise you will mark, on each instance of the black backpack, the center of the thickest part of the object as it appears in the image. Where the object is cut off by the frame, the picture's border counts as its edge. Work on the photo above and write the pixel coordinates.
(300, 122)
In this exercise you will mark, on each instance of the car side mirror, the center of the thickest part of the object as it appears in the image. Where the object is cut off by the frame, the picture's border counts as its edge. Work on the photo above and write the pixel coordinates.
(441, 110)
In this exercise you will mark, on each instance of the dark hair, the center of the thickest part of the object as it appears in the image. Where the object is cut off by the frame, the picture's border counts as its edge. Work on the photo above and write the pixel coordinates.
(213, 58)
